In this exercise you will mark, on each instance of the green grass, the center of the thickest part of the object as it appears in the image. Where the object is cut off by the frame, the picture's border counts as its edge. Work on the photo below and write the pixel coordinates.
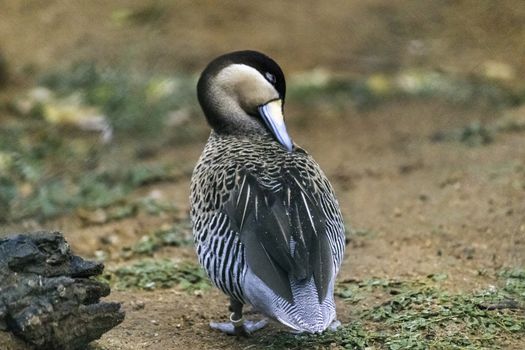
(473, 134)
(366, 92)
(422, 315)
(150, 274)
(52, 189)
(135, 104)
(177, 235)
(49, 169)
(514, 282)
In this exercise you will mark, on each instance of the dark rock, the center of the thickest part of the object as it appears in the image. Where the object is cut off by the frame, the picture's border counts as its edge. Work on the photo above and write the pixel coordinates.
(48, 299)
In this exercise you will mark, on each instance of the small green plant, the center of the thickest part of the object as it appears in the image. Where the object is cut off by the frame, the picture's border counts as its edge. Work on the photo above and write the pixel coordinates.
(177, 235)
(152, 274)
(473, 134)
(514, 282)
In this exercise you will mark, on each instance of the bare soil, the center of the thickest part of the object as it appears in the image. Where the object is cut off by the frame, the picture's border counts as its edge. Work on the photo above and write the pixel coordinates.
(425, 207)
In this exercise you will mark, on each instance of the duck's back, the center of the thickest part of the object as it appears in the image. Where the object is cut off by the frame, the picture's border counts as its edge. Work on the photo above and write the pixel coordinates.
(267, 228)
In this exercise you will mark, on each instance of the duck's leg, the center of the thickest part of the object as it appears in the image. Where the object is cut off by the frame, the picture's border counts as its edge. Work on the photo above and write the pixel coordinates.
(238, 325)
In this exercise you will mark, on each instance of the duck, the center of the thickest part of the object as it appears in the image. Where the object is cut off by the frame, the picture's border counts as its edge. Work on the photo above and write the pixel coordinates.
(266, 223)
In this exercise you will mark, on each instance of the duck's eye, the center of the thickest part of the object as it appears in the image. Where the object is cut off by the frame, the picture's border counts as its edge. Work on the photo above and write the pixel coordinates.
(270, 77)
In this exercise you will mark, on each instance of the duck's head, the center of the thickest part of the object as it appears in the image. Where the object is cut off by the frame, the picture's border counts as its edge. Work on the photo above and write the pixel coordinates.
(243, 93)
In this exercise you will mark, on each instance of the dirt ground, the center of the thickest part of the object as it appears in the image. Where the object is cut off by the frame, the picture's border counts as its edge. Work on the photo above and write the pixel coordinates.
(432, 208)
(426, 207)
(350, 36)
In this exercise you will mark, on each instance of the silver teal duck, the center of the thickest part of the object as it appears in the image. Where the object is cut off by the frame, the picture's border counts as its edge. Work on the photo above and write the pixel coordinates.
(266, 223)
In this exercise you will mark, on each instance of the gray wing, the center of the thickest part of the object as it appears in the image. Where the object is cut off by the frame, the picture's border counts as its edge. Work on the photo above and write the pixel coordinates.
(283, 230)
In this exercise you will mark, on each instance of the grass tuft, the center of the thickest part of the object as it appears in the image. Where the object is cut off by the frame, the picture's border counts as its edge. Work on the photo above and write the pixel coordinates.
(149, 274)
(177, 235)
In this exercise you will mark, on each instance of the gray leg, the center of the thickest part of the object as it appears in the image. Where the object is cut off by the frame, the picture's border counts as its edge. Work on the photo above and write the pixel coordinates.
(238, 325)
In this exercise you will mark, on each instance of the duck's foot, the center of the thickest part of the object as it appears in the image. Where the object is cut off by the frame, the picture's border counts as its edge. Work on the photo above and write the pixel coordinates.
(239, 327)
(334, 326)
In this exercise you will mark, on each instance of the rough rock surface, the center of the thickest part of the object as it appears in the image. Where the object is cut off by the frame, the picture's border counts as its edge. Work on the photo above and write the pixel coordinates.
(47, 298)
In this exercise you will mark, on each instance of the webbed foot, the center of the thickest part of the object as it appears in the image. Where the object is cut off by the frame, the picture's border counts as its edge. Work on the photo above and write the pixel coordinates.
(240, 327)
(334, 326)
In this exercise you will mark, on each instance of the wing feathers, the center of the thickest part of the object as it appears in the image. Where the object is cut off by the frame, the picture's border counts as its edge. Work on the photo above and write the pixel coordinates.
(283, 230)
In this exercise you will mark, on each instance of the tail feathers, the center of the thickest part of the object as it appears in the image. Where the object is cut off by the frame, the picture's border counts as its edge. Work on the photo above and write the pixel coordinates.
(305, 314)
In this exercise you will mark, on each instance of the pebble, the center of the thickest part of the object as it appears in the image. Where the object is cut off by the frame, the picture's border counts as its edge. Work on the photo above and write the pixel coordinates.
(397, 212)
(138, 305)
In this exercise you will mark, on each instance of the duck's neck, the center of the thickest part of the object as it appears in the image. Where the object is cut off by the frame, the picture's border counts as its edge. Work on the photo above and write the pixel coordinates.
(226, 116)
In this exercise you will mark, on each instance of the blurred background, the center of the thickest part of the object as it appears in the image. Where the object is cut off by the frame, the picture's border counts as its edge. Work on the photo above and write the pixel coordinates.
(414, 109)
